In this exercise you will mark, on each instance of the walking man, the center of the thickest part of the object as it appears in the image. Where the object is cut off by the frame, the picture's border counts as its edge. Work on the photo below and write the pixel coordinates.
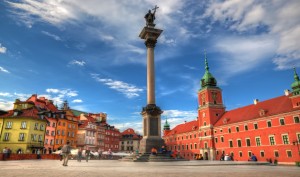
(66, 150)
(87, 154)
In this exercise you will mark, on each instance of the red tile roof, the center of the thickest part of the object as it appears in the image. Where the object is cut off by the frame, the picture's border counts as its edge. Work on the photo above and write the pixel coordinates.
(130, 131)
(30, 112)
(185, 127)
(269, 107)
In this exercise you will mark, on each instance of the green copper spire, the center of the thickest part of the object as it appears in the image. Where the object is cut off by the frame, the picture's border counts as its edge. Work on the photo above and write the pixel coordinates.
(296, 84)
(167, 125)
(208, 79)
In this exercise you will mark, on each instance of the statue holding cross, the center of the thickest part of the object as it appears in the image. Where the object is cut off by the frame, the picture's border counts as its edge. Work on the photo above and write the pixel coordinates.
(150, 17)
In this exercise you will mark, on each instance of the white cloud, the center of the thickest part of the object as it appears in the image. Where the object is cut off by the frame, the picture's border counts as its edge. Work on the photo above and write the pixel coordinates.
(276, 19)
(52, 90)
(63, 92)
(3, 70)
(6, 105)
(2, 49)
(129, 90)
(77, 62)
(243, 53)
(55, 37)
(53, 11)
(77, 101)
(5, 94)
(190, 67)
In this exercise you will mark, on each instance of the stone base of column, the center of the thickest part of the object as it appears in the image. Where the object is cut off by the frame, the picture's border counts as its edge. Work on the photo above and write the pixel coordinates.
(152, 128)
(147, 143)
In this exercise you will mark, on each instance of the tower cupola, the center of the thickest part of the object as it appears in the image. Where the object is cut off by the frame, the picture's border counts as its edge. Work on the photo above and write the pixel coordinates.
(167, 125)
(208, 79)
(296, 84)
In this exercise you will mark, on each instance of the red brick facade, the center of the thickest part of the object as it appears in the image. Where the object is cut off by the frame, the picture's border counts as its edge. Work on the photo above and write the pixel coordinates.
(270, 129)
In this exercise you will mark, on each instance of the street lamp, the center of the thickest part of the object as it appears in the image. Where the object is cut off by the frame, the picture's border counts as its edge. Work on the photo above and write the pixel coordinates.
(296, 142)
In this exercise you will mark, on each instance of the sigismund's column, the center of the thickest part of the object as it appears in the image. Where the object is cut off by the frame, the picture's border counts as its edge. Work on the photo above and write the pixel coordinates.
(151, 113)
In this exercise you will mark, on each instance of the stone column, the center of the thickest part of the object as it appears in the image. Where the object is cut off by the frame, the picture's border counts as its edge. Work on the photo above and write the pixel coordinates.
(151, 113)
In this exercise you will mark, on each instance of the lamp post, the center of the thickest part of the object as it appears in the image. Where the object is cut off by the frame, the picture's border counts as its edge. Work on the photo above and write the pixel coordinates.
(296, 142)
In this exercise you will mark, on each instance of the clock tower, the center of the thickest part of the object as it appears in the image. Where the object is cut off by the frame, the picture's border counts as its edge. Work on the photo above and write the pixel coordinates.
(210, 110)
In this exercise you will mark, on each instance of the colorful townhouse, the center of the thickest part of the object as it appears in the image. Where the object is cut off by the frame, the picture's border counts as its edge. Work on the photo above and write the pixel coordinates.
(50, 113)
(87, 131)
(112, 138)
(22, 128)
(129, 140)
(66, 128)
(269, 129)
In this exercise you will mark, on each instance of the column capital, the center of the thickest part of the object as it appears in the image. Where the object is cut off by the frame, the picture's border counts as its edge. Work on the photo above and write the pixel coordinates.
(150, 43)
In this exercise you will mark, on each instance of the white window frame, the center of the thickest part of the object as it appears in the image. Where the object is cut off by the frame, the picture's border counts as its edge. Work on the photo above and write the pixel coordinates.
(23, 125)
(21, 136)
(288, 139)
(258, 138)
(270, 140)
(6, 137)
(280, 121)
(9, 124)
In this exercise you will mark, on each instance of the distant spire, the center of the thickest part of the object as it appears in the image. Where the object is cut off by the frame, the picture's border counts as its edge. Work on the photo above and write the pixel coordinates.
(296, 77)
(206, 63)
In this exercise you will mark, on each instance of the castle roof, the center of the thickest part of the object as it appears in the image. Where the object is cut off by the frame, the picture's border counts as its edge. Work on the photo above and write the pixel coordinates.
(277, 105)
(183, 128)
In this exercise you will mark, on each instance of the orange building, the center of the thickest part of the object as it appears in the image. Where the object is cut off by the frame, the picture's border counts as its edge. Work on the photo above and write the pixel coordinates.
(66, 129)
(270, 129)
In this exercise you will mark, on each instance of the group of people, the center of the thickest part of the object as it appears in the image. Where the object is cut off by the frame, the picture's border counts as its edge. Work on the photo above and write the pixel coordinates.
(199, 157)
(226, 157)
(66, 151)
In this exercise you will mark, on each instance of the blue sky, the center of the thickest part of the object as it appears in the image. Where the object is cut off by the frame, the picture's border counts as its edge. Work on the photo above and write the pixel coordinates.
(89, 53)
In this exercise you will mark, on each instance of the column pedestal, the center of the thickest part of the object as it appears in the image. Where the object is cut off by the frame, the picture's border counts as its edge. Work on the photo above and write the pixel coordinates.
(152, 128)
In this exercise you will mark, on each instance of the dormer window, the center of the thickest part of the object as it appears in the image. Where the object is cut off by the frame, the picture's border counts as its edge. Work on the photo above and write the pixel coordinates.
(262, 112)
(16, 113)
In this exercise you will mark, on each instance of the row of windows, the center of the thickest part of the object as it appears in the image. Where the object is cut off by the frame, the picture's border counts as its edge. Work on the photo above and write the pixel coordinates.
(255, 125)
(191, 136)
(34, 137)
(285, 140)
(64, 124)
(62, 141)
(9, 125)
(262, 153)
(128, 142)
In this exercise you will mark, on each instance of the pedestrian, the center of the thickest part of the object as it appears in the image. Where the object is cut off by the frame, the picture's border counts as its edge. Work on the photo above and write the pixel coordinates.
(5, 153)
(8, 152)
(87, 154)
(66, 150)
(79, 155)
(99, 153)
(109, 154)
(38, 152)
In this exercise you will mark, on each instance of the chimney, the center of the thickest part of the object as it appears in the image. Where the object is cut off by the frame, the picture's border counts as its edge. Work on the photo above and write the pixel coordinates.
(286, 92)
(255, 101)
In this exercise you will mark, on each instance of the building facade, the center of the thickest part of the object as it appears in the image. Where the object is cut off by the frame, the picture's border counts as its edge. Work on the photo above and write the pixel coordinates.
(23, 129)
(270, 129)
(129, 140)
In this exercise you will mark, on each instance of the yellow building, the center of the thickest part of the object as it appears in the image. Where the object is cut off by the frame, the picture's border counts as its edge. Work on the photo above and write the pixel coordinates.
(22, 129)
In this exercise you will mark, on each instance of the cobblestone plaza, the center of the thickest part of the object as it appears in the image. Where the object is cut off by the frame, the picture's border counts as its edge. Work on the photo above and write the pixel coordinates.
(113, 168)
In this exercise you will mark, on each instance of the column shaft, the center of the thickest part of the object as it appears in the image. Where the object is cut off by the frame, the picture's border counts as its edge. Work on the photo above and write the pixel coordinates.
(150, 76)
